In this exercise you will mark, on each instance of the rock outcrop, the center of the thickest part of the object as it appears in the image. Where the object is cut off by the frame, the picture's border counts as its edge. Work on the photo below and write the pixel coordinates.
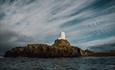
(61, 43)
(60, 48)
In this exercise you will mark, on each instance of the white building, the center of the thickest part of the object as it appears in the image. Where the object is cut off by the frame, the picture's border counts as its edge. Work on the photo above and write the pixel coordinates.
(62, 35)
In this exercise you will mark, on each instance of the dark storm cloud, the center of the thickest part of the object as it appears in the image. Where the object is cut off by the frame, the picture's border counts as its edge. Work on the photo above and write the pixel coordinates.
(103, 47)
(2, 15)
(6, 1)
(9, 39)
(5, 37)
(102, 4)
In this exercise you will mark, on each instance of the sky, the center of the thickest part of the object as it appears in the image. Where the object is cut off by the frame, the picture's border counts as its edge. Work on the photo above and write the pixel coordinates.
(88, 24)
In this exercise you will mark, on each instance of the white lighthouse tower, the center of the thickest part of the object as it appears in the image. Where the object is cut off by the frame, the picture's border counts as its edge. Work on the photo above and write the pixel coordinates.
(61, 36)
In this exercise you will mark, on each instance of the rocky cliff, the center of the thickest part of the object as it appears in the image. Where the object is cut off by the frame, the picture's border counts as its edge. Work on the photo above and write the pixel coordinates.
(60, 48)
(61, 43)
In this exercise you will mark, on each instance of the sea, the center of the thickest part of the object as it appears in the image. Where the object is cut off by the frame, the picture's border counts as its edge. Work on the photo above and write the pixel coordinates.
(78, 63)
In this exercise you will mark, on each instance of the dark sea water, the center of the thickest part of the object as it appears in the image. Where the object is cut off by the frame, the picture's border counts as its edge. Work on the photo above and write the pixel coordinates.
(81, 63)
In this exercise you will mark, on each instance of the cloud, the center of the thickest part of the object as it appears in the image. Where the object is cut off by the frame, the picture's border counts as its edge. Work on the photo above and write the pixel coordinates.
(99, 42)
(86, 21)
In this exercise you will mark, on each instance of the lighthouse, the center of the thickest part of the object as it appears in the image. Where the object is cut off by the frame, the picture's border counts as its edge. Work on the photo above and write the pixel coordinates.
(61, 36)
(61, 41)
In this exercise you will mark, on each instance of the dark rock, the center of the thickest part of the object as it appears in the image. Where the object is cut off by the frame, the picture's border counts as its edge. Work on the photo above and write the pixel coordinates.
(60, 48)
(61, 43)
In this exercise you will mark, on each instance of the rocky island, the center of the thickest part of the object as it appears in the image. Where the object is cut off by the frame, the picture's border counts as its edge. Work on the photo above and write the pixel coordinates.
(60, 48)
